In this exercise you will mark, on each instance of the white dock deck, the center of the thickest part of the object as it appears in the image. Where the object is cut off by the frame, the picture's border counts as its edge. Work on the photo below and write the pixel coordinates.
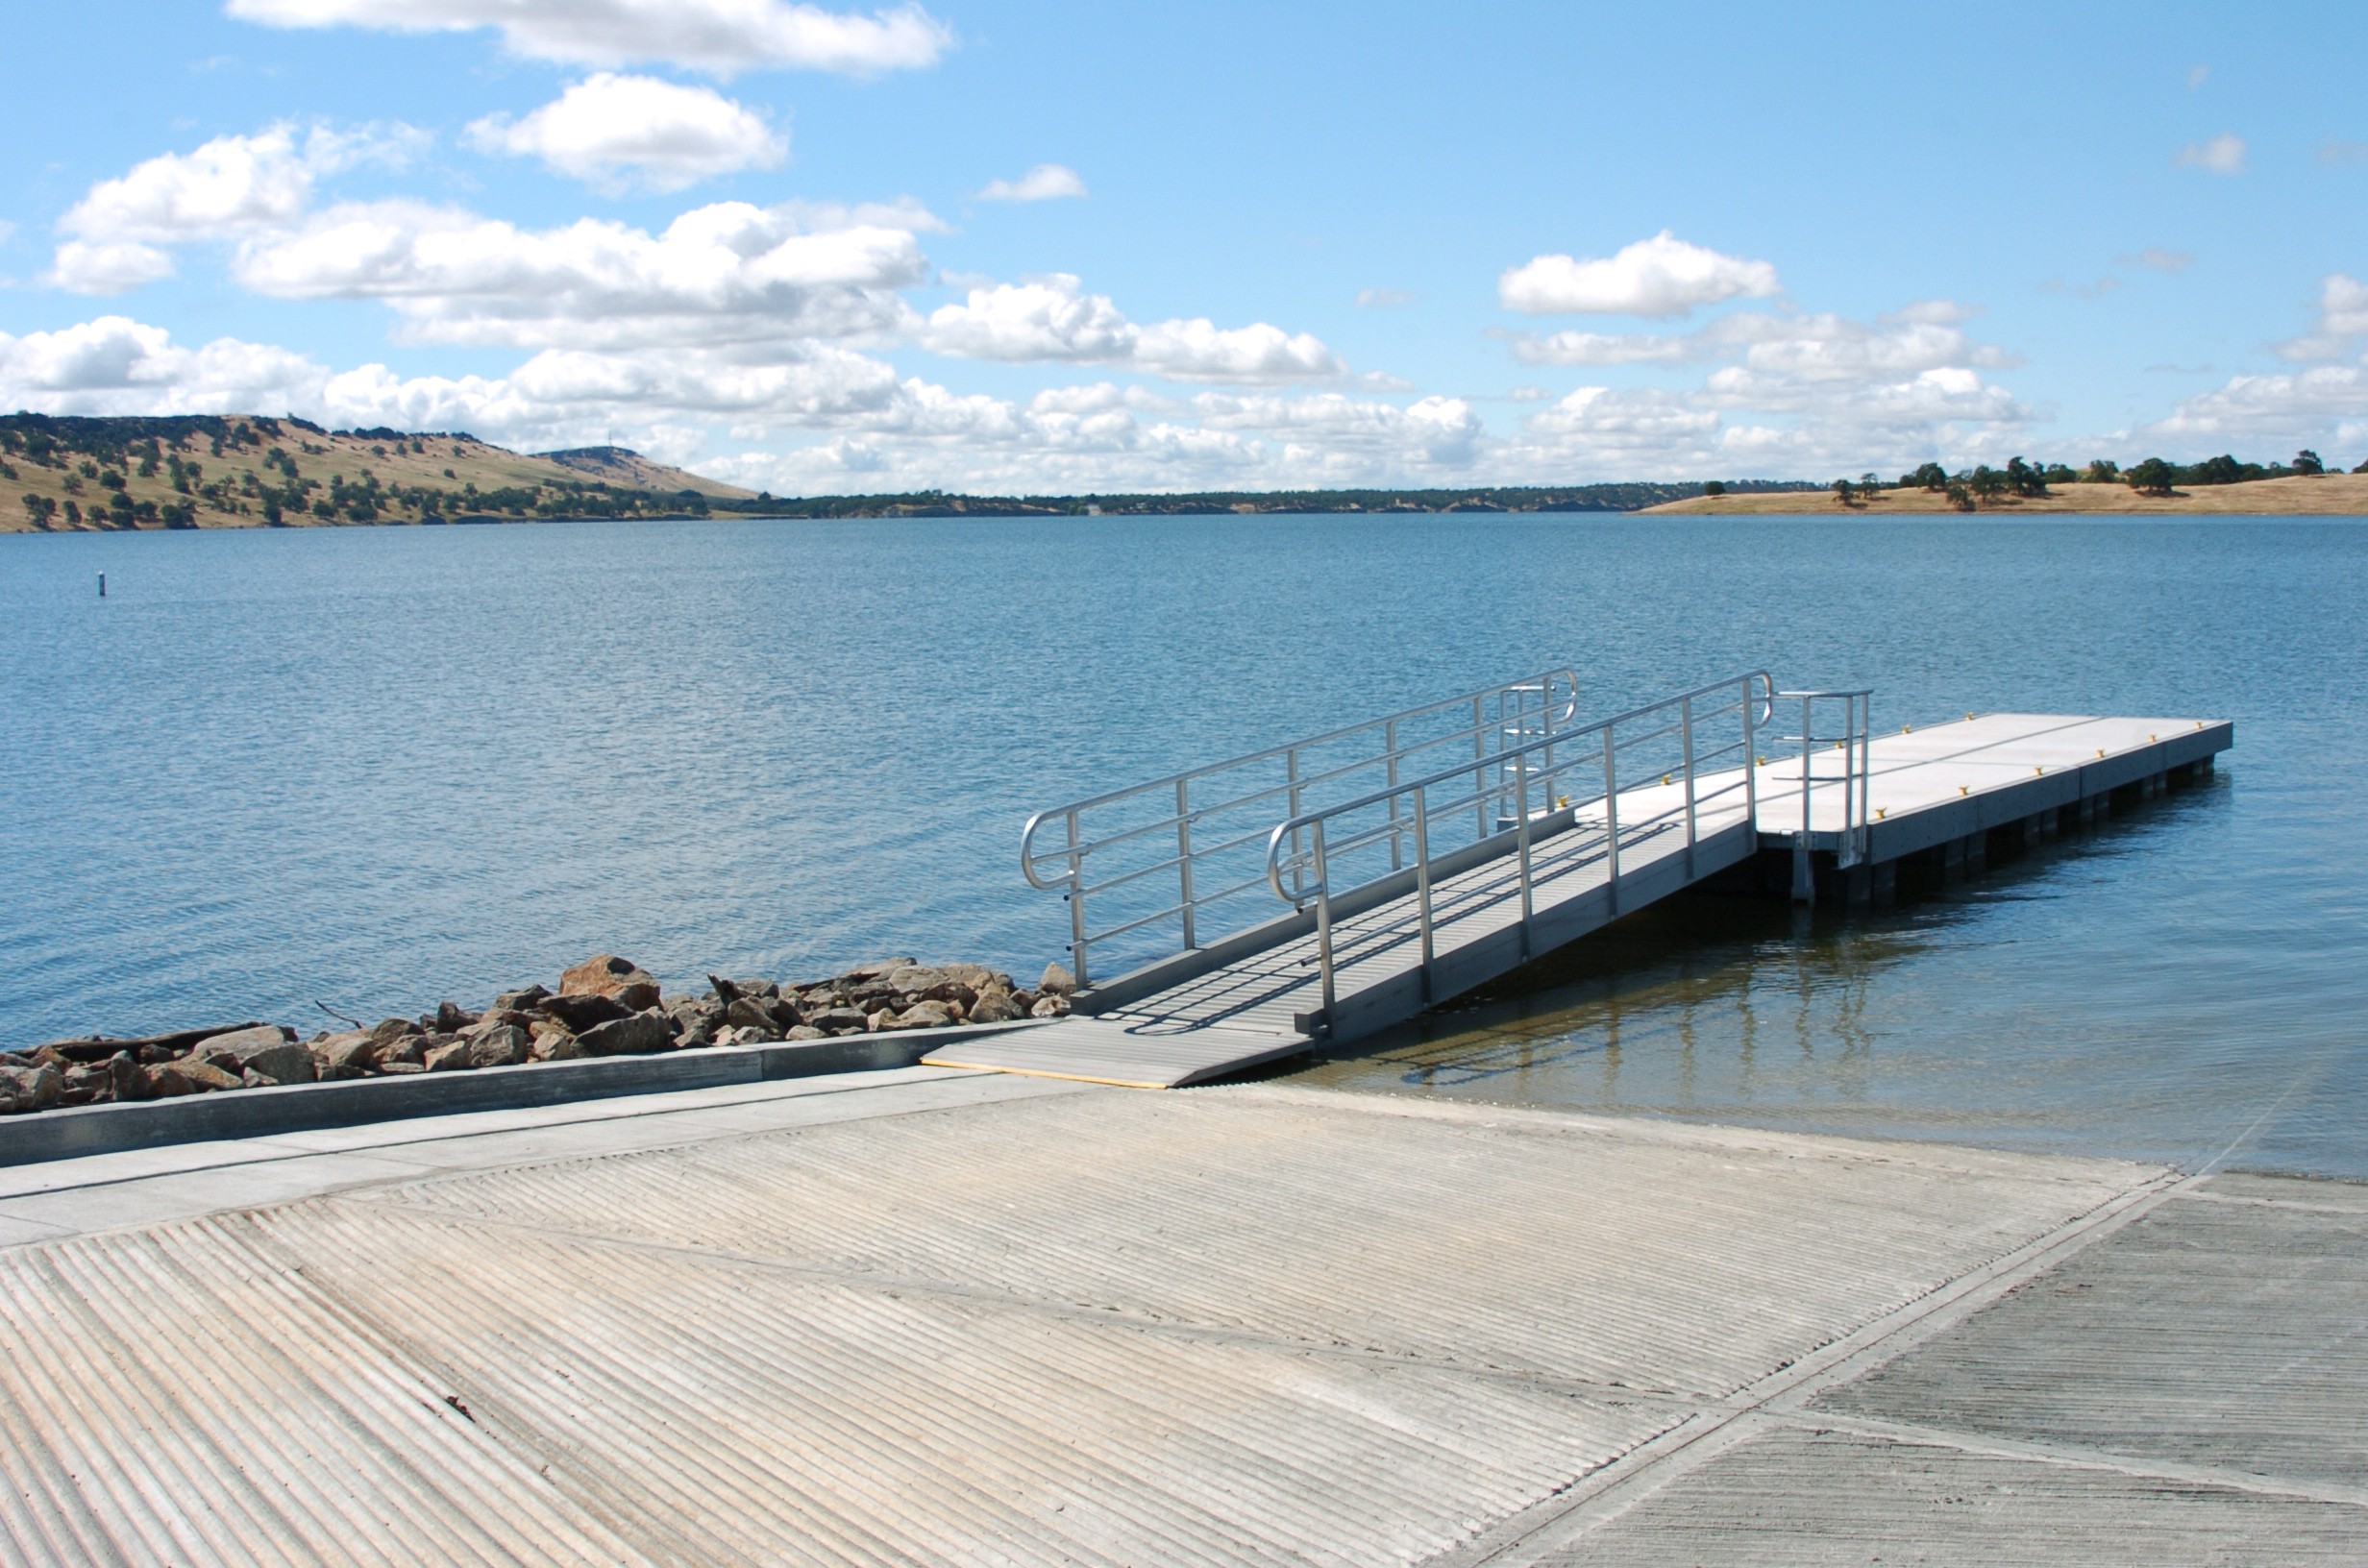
(1929, 786)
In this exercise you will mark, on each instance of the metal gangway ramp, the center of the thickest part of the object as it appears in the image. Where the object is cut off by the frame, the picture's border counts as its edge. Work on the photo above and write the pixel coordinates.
(1335, 885)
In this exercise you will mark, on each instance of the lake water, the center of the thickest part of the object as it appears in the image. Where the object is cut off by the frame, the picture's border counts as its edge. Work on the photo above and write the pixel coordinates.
(377, 768)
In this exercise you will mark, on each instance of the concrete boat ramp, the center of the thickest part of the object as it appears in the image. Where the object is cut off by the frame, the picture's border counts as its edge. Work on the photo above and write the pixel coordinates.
(932, 1314)
(924, 1317)
(1418, 859)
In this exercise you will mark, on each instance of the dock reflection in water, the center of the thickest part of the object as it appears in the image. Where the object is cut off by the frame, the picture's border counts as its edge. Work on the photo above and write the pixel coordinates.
(2038, 1005)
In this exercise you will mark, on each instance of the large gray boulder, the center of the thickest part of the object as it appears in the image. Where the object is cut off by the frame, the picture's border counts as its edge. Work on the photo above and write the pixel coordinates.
(30, 1088)
(992, 1006)
(922, 1015)
(348, 1055)
(190, 1075)
(606, 974)
(637, 1034)
(579, 1014)
(501, 1046)
(261, 1057)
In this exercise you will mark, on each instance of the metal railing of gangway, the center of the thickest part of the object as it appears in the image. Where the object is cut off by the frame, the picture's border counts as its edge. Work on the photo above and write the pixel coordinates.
(1681, 740)
(1846, 775)
(1175, 863)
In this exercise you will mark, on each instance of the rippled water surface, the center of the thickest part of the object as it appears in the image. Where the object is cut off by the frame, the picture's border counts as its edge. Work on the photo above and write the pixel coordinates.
(381, 767)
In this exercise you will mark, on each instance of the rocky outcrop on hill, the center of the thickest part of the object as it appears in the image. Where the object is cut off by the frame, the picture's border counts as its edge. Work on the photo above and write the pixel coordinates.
(605, 1006)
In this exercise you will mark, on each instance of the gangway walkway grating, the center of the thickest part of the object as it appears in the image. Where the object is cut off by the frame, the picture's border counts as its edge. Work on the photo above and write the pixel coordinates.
(1546, 841)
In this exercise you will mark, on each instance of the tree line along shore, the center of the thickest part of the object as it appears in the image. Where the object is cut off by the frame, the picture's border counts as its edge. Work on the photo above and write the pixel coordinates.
(61, 474)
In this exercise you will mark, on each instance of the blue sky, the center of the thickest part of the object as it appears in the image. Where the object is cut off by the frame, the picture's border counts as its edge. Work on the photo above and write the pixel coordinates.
(1064, 247)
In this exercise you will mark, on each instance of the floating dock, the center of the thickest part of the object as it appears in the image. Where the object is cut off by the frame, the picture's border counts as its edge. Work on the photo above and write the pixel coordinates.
(1508, 829)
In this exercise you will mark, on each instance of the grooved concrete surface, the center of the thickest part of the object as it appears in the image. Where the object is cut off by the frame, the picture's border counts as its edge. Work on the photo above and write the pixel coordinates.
(934, 1319)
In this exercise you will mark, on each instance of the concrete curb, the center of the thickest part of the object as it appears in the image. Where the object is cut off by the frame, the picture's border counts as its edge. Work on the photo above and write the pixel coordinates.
(258, 1113)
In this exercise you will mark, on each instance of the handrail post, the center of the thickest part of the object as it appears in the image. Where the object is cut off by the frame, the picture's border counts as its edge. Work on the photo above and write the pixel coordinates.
(1685, 719)
(1804, 881)
(1184, 857)
(1298, 876)
(1479, 772)
(1866, 769)
(1521, 836)
(1323, 923)
(1389, 746)
(1751, 779)
(1076, 901)
(1611, 816)
(1422, 885)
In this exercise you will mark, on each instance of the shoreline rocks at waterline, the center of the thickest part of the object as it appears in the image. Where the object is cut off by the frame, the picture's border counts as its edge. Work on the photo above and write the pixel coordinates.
(605, 1006)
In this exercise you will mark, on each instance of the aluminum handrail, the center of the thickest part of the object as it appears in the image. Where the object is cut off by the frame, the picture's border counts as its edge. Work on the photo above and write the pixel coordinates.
(1112, 797)
(1517, 710)
(1752, 690)
(1855, 737)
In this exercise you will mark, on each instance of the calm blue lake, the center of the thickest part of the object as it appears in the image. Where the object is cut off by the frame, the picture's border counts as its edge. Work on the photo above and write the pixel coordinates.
(377, 768)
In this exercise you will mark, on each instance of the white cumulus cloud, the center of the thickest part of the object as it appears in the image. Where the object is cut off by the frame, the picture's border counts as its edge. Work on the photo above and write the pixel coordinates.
(730, 272)
(1662, 276)
(718, 35)
(612, 131)
(2223, 154)
(1053, 318)
(1044, 182)
(2343, 319)
(229, 186)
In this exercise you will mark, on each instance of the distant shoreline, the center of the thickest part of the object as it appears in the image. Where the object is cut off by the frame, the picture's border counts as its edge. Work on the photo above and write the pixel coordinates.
(2301, 495)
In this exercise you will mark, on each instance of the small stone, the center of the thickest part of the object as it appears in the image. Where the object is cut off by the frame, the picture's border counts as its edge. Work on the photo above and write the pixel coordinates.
(396, 1069)
(31, 1088)
(556, 1045)
(1023, 1000)
(451, 1017)
(837, 1019)
(125, 1079)
(582, 1012)
(750, 1013)
(269, 1054)
(1058, 980)
(523, 1000)
(453, 1057)
(993, 1006)
(86, 1081)
(190, 1075)
(404, 1050)
(806, 1031)
(878, 1020)
(922, 1015)
(978, 976)
(637, 1034)
(1049, 1006)
(392, 1030)
(606, 974)
(880, 970)
(916, 979)
(500, 1047)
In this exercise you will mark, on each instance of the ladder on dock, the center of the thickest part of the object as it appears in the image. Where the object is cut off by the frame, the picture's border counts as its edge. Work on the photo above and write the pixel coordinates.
(1330, 887)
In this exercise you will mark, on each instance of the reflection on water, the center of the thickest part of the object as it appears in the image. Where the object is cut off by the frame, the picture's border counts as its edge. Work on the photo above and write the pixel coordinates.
(1995, 1010)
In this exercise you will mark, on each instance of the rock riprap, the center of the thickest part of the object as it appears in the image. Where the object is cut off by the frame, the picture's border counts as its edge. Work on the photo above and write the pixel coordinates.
(605, 1006)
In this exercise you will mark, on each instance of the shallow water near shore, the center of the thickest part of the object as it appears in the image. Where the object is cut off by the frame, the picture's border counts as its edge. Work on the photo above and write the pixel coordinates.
(375, 767)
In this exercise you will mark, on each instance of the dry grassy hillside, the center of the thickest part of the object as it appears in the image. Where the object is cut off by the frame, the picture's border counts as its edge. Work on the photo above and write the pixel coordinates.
(2301, 495)
(251, 472)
